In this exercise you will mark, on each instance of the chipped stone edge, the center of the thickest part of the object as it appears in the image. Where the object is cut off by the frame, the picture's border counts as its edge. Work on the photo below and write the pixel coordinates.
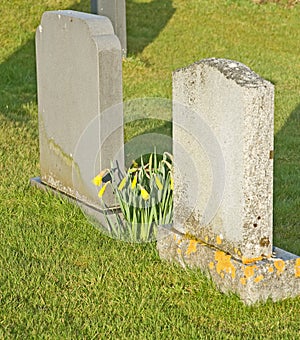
(276, 278)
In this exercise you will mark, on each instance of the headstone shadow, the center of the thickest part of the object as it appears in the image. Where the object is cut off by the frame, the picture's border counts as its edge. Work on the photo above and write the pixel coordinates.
(18, 83)
(145, 21)
(287, 184)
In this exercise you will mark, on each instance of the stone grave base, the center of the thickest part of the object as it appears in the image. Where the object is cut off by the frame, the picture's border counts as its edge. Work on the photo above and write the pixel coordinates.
(277, 277)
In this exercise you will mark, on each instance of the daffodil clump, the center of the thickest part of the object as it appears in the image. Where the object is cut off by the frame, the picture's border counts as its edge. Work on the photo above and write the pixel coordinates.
(144, 195)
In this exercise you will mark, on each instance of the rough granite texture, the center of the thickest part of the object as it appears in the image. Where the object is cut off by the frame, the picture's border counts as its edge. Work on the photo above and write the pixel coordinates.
(223, 152)
(79, 76)
(115, 10)
(275, 278)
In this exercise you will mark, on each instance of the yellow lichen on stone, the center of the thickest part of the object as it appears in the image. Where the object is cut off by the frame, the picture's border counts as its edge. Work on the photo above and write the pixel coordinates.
(246, 260)
(219, 240)
(270, 269)
(279, 265)
(249, 271)
(178, 251)
(243, 280)
(206, 239)
(224, 263)
(297, 267)
(192, 248)
(258, 278)
(177, 239)
(237, 251)
(211, 265)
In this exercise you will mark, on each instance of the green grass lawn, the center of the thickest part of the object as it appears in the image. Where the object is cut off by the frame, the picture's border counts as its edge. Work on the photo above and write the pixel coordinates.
(59, 277)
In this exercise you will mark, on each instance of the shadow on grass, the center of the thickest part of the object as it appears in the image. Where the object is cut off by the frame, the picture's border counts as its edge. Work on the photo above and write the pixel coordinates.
(154, 135)
(145, 20)
(18, 79)
(18, 83)
(287, 185)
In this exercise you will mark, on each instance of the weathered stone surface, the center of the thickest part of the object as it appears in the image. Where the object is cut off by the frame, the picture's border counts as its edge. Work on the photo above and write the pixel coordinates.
(223, 152)
(275, 278)
(115, 10)
(79, 75)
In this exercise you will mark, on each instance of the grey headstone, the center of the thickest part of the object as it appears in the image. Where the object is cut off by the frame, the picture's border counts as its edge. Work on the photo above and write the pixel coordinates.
(79, 75)
(223, 152)
(115, 10)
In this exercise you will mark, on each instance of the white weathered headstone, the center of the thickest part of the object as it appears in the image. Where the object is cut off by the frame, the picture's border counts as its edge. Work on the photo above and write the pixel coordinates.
(223, 121)
(115, 10)
(79, 75)
(223, 153)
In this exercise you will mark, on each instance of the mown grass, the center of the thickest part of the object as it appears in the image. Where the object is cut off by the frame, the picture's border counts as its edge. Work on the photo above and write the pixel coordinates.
(60, 278)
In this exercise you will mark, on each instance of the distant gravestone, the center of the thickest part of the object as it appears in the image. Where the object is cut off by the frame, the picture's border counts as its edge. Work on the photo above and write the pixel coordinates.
(115, 10)
(233, 205)
(79, 76)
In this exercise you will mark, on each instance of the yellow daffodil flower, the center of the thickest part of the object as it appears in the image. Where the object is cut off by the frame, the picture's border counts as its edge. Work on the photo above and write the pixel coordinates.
(133, 184)
(102, 190)
(135, 165)
(158, 183)
(172, 183)
(122, 184)
(98, 179)
(145, 194)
